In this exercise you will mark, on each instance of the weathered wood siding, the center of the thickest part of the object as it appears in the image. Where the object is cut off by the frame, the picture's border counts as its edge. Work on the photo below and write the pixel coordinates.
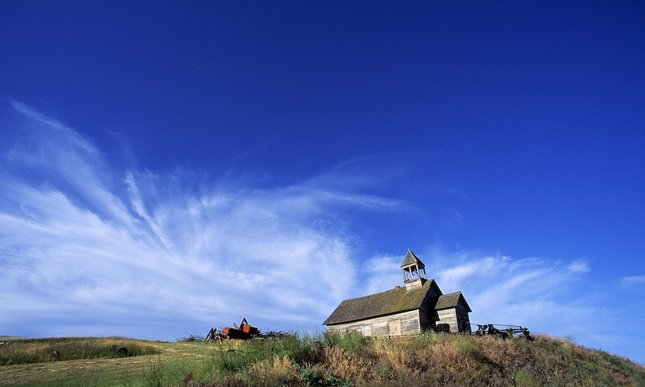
(463, 320)
(426, 312)
(399, 324)
(457, 318)
(448, 316)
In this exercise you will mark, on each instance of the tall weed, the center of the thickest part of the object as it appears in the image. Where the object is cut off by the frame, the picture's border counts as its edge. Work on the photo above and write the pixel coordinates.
(353, 342)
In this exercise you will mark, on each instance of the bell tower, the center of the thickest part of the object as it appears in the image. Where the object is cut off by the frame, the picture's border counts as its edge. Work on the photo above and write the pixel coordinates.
(414, 271)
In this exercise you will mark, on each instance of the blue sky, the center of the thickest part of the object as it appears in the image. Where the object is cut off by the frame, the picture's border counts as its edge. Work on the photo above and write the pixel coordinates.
(170, 167)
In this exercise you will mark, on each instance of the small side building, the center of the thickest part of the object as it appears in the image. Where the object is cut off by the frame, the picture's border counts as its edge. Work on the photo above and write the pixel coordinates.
(404, 310)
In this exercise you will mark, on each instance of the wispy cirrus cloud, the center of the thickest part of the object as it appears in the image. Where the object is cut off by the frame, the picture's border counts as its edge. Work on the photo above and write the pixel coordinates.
(91, 249)
(555, 297)
(86, 244)
(501, 289)
(634, 280)
(527, 291)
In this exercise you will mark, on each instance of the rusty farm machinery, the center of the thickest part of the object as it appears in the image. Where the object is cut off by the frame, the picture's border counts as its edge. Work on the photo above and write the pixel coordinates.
(502, 331)
(243, 331)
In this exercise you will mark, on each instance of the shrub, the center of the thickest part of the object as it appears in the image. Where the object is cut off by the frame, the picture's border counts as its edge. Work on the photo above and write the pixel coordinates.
(303, 349)
(231, 361)
(465, 346)
(279, 371)
(353, 342)
(316, 375)
(525, 379)
(347, 365)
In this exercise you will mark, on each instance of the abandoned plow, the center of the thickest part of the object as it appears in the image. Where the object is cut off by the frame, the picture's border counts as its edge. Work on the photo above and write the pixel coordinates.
(243, 331)
(503, 331)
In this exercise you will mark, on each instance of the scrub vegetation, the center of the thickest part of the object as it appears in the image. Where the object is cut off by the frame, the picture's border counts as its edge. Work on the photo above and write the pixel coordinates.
(21, 351)
(332, 360)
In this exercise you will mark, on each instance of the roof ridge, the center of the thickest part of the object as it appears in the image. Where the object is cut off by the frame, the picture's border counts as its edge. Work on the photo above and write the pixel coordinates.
(449, 294)
(397, 287)
(394, 300)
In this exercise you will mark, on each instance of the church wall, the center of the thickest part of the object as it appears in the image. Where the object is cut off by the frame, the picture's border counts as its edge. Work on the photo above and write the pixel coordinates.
(448, 316)
(427, 314)
(424, 319)
(399, 324)
(457, 318)
(463, 320)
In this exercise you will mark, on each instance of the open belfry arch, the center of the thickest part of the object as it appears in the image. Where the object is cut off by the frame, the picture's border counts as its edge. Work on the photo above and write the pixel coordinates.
(414, 271)
(419, 305)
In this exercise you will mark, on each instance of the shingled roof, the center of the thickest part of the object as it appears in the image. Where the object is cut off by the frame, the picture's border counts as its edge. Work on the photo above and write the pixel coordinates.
(381, 304)
(411, 259)
(450, 301)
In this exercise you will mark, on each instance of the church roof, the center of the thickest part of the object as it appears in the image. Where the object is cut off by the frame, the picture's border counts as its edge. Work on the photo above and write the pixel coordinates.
(451, 300)
(381, 304)
(411, 259)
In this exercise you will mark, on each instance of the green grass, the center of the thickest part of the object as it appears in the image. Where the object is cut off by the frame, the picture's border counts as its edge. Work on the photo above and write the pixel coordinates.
(59, 349)
(466, 346)
(323, 360)
(353, 342)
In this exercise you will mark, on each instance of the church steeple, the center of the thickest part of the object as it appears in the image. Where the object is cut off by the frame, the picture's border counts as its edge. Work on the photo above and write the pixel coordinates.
(414, 271)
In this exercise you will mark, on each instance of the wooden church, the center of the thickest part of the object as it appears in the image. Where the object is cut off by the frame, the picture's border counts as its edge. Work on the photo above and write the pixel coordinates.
(405, 310)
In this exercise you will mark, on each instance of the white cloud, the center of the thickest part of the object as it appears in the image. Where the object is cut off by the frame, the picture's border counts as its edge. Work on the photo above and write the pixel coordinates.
(119, 248)
(87, 249)
(547, 297)
(381, 273)
(634, 280)
(527, 291)
(579, 266)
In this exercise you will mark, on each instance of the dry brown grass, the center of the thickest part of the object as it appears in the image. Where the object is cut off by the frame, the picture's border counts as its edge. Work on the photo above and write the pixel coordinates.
(472, 361)
(60, 349)
(278, 371)
(430, 359)
(347, 366)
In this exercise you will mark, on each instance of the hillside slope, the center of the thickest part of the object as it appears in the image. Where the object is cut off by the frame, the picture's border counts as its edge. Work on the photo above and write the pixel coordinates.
(330, 360)
(438, 359)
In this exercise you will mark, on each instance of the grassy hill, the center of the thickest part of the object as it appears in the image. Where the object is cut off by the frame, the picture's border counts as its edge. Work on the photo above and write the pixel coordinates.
(325, 360)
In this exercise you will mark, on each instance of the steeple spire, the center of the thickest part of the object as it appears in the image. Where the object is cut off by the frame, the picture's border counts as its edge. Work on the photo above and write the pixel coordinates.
(414, 271)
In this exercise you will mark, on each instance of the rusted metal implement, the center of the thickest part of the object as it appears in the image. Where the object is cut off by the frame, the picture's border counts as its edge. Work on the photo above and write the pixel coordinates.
(242, 332)
(505, 333)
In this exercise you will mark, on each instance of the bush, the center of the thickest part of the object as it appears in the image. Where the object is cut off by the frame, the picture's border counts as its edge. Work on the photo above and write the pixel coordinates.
(301, 349)
(525, 379)
(317, 376)
(353, 342)
(279, 371)
(231, 361)
(465, 346)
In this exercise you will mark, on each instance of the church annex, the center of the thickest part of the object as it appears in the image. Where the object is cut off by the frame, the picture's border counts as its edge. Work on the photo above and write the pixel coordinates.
(405, 310)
